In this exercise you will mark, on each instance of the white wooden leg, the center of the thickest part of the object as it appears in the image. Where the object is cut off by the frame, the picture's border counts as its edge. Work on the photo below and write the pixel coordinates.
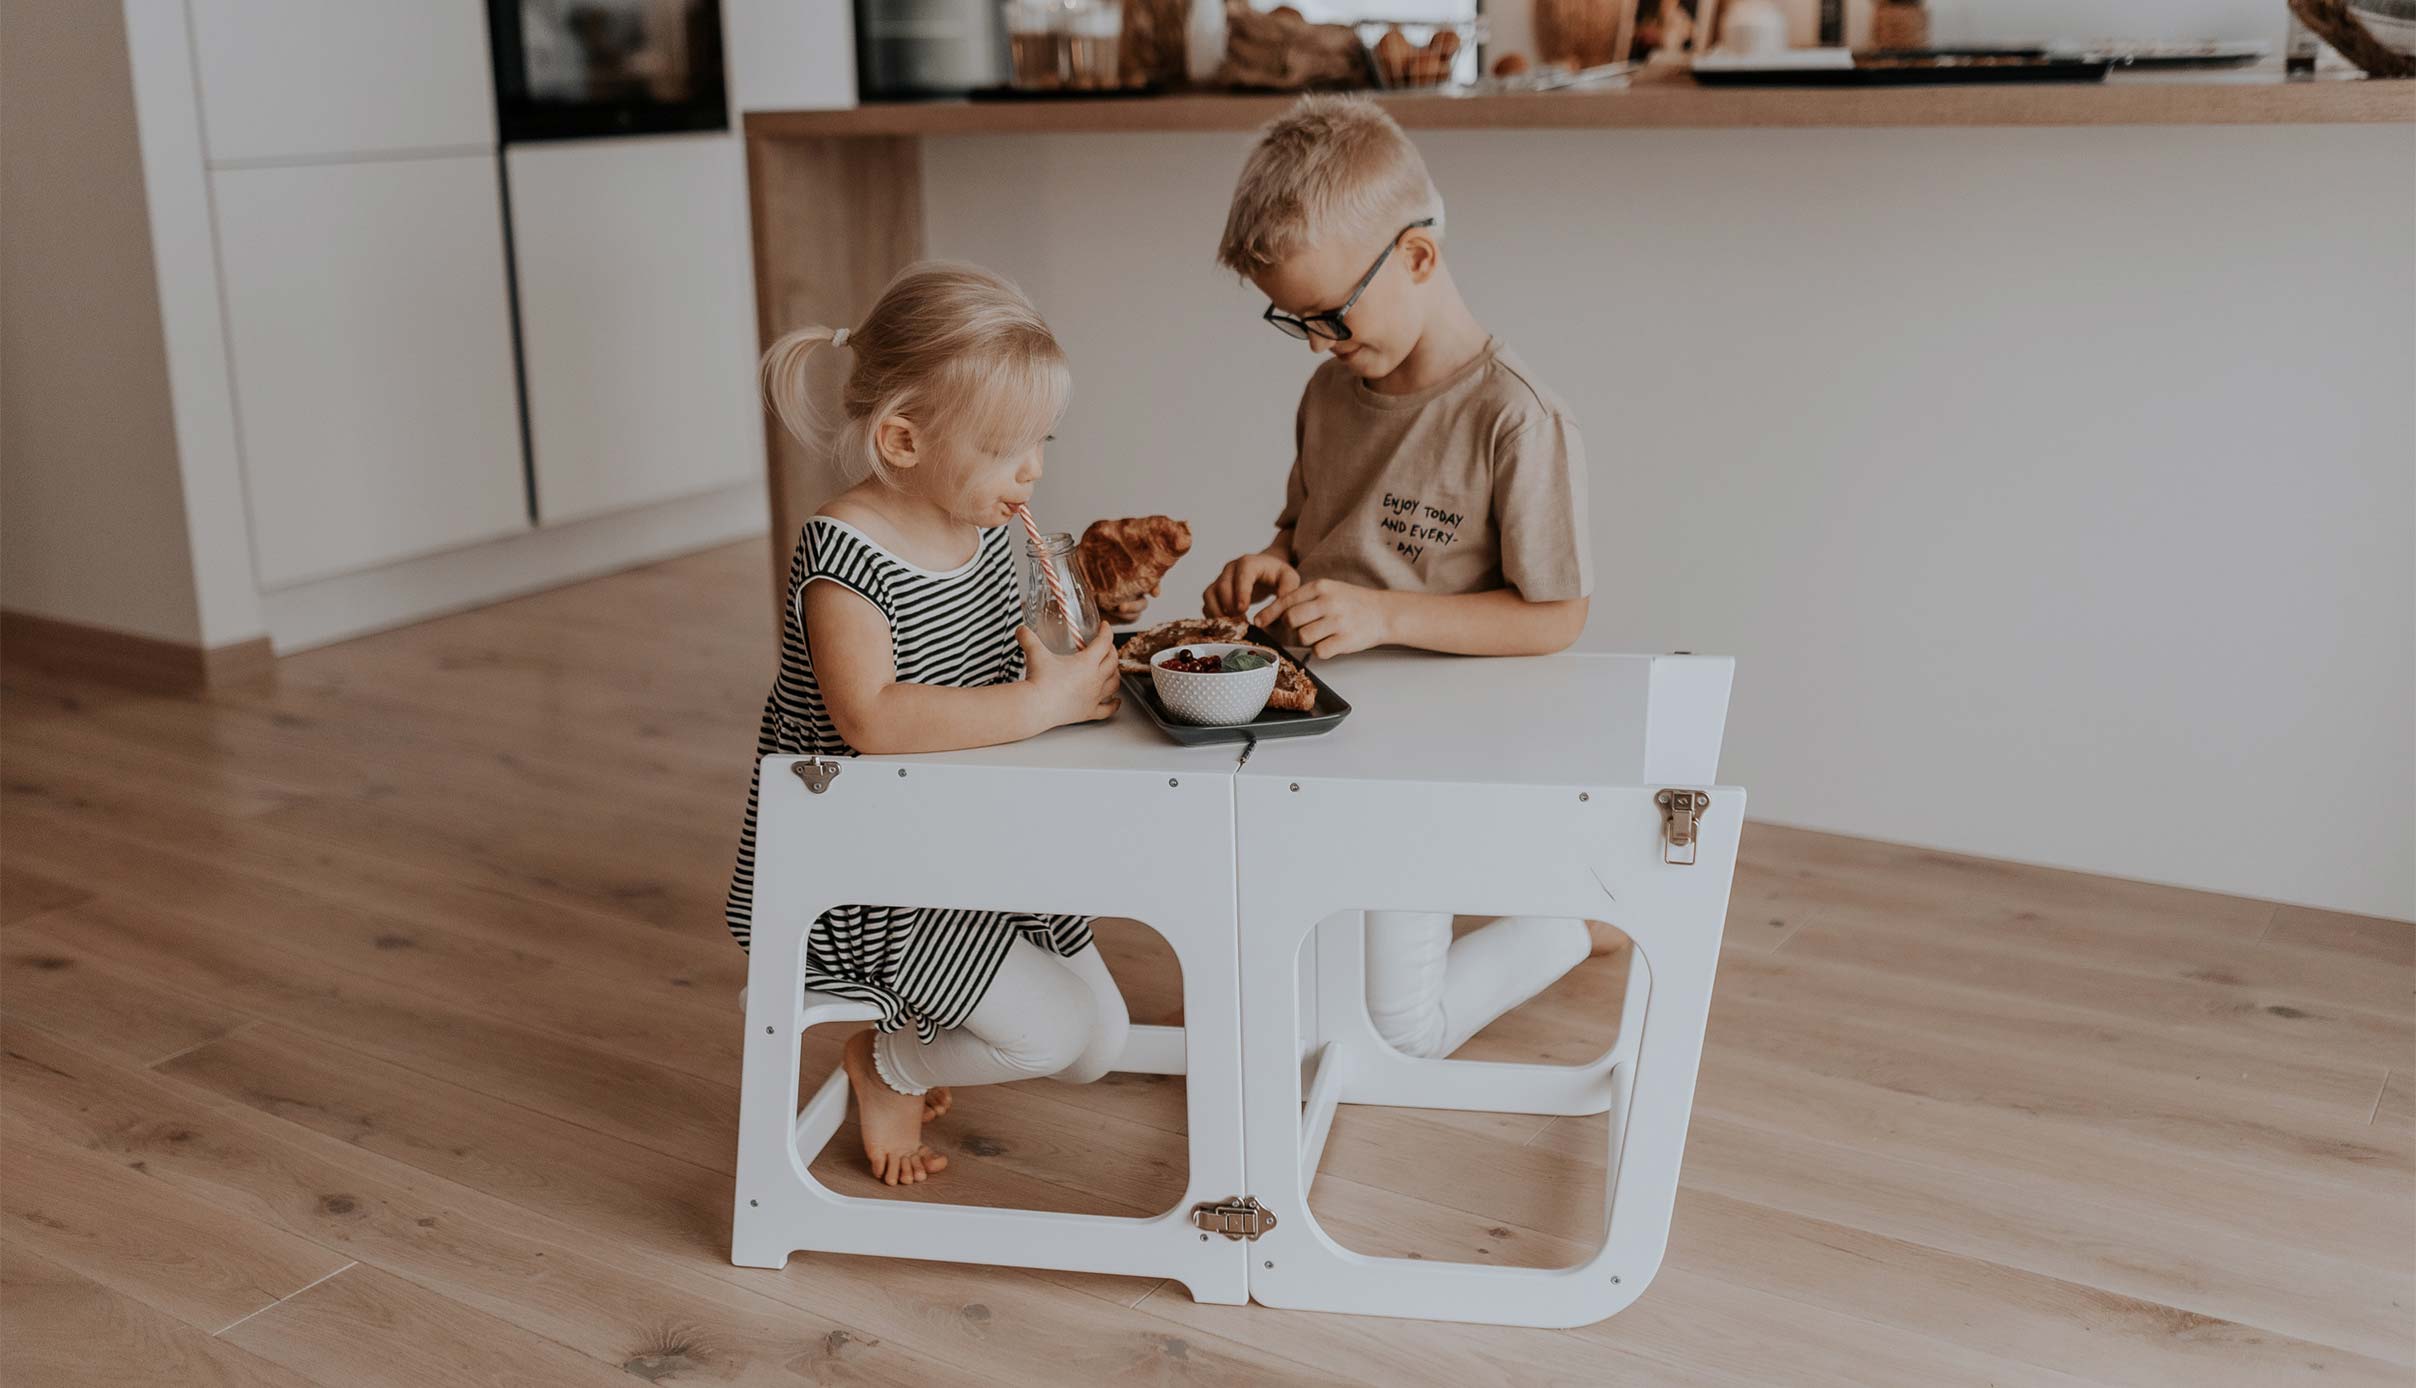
(1153, 1051)
(1335, 846)
(1317, 1119)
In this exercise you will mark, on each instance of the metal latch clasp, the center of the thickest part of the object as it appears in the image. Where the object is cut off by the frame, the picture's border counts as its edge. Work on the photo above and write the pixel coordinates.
(816, 774)
(1681, 816)
(1236, 1217)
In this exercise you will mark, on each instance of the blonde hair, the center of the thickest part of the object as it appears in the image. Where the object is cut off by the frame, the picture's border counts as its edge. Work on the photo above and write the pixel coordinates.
(953, 348)
(1331, 166)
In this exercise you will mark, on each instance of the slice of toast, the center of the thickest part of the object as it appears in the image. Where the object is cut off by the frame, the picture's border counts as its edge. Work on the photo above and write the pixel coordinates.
(1135, 654)
(1294, 692)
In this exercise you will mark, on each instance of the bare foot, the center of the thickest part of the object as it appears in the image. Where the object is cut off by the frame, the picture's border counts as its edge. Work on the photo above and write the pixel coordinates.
(892, 1123)
(1606, 938)
(936, 1102)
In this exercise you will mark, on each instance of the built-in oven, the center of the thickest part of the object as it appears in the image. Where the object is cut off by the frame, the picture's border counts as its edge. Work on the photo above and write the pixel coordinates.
(578, 69)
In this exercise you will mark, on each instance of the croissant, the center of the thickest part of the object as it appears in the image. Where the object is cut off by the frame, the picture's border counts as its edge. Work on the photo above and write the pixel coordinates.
(1123, 560)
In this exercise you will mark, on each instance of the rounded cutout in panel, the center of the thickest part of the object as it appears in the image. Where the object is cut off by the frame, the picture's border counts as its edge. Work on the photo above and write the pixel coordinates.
(1117, 1145)
(1457, 1185)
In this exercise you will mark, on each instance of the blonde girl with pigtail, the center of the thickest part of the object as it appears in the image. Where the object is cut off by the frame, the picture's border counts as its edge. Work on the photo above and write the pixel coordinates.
(903, 633)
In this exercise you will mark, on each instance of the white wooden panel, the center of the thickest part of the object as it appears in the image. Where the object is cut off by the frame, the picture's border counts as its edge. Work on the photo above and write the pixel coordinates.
(988, 837)
(637, 320)
(288, 79)
(371, 338)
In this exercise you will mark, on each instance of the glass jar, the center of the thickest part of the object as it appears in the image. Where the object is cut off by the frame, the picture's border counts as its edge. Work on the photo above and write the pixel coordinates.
(1036, 45)
(1059, 629)
(1094, 55)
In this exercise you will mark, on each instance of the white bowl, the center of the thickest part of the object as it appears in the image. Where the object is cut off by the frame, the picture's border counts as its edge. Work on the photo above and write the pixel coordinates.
(1220, 700)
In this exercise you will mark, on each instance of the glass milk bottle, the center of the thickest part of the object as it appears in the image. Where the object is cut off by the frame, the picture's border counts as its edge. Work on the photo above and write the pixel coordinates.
(1063, 628)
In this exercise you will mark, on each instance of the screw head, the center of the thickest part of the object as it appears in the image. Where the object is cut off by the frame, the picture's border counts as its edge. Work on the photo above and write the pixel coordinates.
(1270, 1262)
(1296, 787)
(1581, 795)
(901, 773)
(767, 1031)
(754, 1204)
(1172, 781)
(1615, 1276)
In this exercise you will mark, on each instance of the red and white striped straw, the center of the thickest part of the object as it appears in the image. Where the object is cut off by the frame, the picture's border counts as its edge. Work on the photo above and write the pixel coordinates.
(1048, 569)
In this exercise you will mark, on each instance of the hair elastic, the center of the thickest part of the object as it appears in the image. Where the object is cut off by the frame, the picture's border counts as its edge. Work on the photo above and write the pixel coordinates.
(839, 338)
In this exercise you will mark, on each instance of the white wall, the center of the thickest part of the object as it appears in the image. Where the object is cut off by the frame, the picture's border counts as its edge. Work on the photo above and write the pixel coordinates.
(92, 526)
(2056, 489)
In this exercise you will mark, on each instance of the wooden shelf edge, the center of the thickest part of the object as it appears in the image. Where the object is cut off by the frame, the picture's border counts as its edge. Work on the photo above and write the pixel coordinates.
(1670, 101)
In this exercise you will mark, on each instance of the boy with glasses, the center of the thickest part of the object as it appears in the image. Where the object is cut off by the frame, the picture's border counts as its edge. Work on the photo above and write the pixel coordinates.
(1437, 497)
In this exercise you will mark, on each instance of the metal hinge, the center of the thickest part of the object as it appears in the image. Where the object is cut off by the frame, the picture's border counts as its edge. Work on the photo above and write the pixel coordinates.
(1681, 815)
(1236, 1217)
(817, 775)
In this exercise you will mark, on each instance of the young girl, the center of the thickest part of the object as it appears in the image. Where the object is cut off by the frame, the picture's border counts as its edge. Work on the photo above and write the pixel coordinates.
(902, 634)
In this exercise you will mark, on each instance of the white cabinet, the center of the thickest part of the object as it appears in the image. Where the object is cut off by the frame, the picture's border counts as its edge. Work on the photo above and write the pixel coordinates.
(637, 320)
(292, 79)
(369, 329)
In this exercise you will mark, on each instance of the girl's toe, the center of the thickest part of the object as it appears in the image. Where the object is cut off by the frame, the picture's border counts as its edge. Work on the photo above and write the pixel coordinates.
(934, 1161)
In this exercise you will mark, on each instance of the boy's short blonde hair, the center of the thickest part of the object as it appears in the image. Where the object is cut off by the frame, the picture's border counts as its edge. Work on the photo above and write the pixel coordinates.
(1332, 166)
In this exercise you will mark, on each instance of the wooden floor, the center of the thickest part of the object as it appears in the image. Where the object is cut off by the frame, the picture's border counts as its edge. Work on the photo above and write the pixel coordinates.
(380, 1028)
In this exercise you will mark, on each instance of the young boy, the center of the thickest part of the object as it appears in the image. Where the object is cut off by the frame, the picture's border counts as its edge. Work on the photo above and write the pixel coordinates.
(1437, 497)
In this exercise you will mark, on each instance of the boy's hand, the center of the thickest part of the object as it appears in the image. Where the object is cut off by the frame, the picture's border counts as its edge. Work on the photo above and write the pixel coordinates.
(1245, 581)
(1129, 612)
(1077, 688)
(1332, 618)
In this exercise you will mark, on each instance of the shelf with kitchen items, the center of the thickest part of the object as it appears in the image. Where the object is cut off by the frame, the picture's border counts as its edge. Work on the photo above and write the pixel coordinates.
(1663, 96)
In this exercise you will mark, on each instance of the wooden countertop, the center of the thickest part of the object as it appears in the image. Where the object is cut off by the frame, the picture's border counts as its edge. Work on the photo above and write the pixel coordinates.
(1666, 98)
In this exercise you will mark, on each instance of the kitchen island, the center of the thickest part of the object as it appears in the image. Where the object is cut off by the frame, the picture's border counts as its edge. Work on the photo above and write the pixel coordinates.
(837, 195)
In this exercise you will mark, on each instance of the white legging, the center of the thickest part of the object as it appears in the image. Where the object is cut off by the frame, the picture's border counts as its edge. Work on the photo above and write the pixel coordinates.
(1428, 993)
(1043, 1015)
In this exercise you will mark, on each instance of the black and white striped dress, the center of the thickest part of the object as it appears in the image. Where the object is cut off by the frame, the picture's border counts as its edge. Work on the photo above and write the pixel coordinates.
(921, 967)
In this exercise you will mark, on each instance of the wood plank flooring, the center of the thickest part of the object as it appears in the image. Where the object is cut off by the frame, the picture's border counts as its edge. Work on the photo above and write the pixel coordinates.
(377, 1025)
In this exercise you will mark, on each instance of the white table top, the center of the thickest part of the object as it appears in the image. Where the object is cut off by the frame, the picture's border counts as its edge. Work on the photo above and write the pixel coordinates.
(1126, 742)
(1575, 720)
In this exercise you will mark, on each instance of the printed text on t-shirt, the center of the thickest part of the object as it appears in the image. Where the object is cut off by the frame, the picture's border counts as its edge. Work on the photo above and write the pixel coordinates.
(1415, 525)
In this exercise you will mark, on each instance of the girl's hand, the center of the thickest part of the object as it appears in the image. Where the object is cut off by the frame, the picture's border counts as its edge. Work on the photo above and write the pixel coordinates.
(1332, 618)
(1129, 612)
(1077, 688)
(1246, 580)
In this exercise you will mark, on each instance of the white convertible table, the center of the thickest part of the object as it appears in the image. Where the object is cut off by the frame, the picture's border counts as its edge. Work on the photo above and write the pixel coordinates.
(1566, 785)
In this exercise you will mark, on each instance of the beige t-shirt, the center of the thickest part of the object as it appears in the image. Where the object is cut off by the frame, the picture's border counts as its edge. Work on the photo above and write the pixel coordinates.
(1468, 486)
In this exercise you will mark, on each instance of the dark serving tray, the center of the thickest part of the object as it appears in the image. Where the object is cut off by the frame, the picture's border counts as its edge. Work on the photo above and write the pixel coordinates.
(1331, 708)
(1923, 68)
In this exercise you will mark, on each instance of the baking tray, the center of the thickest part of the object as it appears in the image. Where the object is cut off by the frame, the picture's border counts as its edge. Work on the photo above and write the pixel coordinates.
(1927, 67)
(1326, 715)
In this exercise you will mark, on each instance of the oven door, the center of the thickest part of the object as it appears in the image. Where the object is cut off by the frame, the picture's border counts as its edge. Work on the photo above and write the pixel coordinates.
(579, 69)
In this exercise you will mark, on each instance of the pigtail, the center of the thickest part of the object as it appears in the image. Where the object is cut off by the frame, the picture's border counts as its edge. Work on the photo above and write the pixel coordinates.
(952, 347)
(787, 387)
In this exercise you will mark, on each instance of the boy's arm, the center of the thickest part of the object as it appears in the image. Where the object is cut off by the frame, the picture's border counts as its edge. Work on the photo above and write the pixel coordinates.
(1333, 618)
(1496, 623)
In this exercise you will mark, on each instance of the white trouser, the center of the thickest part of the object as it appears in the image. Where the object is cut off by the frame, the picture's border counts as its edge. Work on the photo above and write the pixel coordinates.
(1428, 993)
(1044, 1015)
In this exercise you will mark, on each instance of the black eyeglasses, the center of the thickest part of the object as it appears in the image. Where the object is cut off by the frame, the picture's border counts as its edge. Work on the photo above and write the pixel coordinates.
(1329, 324)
